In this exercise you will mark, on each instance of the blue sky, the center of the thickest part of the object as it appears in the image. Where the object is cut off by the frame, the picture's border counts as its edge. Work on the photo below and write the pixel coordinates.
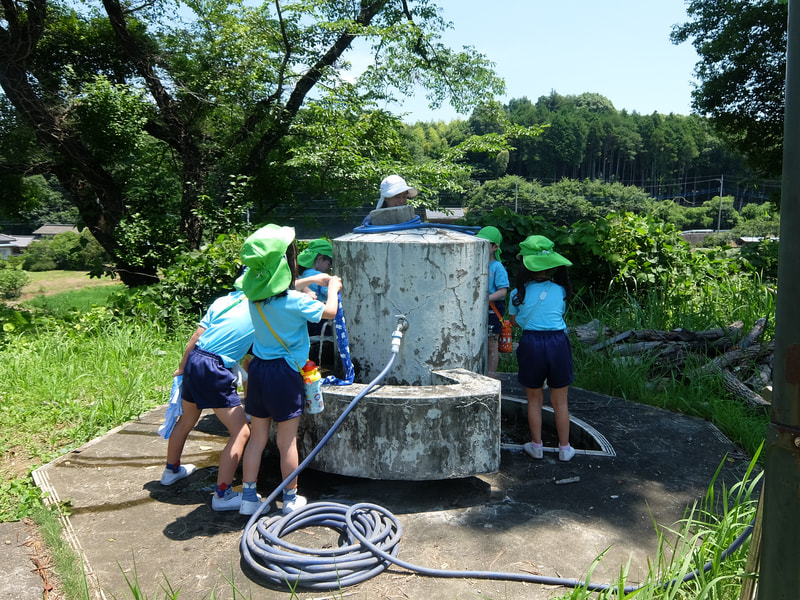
(617, 48)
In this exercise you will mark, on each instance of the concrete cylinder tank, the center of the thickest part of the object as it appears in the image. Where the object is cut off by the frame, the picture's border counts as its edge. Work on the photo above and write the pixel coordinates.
(435, 415)
(437, 278)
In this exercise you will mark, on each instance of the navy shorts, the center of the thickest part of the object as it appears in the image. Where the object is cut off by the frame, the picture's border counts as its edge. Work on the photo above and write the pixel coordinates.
(207, 382)
(495, 324)
(274, 390)
(545, 355)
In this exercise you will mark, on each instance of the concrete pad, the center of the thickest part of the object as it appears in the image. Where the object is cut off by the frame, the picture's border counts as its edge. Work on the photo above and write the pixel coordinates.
(520, 519)
(19, 576)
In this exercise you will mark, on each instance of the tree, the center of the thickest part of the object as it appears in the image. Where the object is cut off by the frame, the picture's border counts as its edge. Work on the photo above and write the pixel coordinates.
(742, 49)
(147, 123)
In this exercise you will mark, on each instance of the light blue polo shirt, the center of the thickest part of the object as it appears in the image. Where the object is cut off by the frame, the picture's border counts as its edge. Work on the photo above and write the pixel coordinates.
(543, 309)
(288, 315)
(228, 331)
(498, 276)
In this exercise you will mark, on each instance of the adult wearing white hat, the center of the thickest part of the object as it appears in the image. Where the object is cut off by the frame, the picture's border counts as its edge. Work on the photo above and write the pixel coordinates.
(395, 192)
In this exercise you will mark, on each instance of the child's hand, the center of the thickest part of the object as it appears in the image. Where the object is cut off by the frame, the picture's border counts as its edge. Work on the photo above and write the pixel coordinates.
(334, 284)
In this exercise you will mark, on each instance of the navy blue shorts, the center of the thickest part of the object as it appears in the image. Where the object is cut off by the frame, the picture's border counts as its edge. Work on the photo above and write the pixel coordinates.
(207, 382)
(545, 355)
(495, 325)
(274, 390)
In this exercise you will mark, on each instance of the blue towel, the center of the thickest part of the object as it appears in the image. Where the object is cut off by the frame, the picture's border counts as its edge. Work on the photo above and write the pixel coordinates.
(343, 344)
(174, 408)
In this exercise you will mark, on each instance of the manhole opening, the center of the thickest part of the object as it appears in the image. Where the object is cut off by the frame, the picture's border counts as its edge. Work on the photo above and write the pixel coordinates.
(514, 430)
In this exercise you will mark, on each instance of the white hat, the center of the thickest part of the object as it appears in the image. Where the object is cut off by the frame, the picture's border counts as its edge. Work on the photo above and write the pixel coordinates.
(393, 185)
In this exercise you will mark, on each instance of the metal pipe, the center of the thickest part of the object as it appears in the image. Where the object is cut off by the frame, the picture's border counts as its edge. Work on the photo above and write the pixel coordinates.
(779, 577)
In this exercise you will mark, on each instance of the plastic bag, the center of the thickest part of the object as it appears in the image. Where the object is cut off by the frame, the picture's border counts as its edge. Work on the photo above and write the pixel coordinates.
(174, 408)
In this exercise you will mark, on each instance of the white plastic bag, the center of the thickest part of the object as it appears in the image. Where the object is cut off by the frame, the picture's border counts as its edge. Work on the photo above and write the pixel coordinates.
(174, 408)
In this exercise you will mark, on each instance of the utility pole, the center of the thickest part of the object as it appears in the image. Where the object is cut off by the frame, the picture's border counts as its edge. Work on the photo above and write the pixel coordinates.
(779, 577)
(719, 216)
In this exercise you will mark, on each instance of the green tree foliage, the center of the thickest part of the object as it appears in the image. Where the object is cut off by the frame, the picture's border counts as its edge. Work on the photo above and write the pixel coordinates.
(12, 280)
(742, 50)
(69, 251)
(148, 122)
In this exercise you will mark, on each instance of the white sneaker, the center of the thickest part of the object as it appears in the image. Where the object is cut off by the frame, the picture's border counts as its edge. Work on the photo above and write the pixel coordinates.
(292, 505)
(230, 501)
(249, 507)
(565, 454)
(168, 477)
(536, 452)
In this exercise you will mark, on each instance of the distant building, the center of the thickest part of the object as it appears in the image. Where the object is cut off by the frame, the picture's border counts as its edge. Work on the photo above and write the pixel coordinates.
(446, 215)
(13, 245)
(49, 230)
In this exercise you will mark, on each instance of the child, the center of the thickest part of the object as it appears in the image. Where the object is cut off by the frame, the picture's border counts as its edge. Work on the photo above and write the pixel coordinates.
(538, 303)
(316, 259)
(498, 288)
(222, 339)
(275, 386)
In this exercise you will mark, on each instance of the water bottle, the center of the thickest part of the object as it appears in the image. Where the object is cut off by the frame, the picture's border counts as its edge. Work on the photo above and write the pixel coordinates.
(505, 344)
(312, 380)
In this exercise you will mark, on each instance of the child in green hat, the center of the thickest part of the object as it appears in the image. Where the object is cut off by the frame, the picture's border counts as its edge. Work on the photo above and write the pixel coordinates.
(275, 387)
(498, 288)
(316, 259)
(538, 303)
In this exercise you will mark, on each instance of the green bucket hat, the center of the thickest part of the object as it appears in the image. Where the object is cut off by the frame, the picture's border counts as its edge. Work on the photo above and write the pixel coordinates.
(264, 253)
(315, 247)
(493, 235)
(538, 255)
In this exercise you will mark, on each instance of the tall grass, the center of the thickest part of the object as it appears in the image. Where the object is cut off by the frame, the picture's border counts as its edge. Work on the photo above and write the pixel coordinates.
(73, 381)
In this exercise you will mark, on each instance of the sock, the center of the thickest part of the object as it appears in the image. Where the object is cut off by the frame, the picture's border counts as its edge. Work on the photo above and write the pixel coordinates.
(535, 445)
(220, 489)
(289, 495)
(249, 491)
(563, 447)
(174, 468)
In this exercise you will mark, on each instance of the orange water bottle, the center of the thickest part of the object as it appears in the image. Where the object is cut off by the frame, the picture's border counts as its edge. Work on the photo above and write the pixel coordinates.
(313, 383)
(504, 343)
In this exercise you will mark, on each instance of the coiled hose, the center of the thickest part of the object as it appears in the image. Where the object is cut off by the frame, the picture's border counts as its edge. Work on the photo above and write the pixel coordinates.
(369, 536)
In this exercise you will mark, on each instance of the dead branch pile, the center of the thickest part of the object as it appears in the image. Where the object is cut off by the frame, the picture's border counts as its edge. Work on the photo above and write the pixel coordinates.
(744, 363)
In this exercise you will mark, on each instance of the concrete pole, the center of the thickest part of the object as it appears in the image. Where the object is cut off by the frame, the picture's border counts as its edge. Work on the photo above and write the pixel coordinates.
(779, 576)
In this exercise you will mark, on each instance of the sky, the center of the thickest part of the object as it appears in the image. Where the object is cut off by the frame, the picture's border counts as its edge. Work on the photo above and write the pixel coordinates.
(618, 48)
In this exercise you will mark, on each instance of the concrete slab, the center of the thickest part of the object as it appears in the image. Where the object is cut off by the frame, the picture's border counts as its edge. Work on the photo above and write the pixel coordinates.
(20, 577)
(126, 525)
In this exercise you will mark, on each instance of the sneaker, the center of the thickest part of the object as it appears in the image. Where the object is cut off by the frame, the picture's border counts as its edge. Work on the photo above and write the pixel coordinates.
(565, 454)
(535, 451)
(168, 477)
(292, 505)
(248, 507)
(230, 501)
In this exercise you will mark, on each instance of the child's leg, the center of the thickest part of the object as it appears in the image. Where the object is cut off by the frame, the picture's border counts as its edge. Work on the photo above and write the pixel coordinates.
(235, 420)
(287, 445)
(558, 400)
(259, 436)
(535, 398)
(177, 439)
(494, 355)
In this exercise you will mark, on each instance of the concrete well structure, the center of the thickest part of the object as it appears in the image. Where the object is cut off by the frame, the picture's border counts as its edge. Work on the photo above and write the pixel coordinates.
(435, 415)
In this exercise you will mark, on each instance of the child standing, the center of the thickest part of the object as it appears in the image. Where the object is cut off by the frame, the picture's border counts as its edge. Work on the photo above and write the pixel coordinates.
(498, 288)
(316, 259)
(538, 303)
(275, 387)
(222, 339)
